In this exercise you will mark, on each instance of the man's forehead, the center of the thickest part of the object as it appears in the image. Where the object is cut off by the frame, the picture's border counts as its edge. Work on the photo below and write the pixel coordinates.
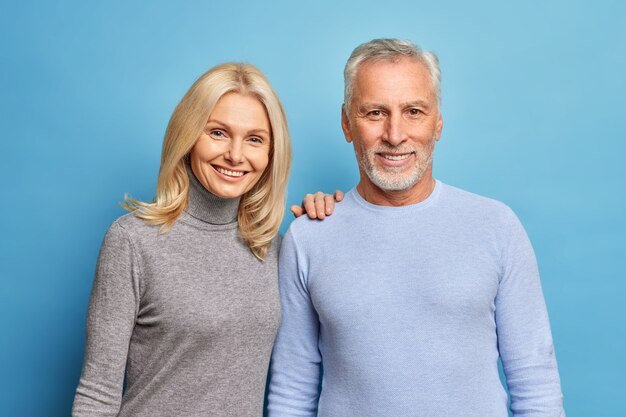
(390, 63)
(402, 80)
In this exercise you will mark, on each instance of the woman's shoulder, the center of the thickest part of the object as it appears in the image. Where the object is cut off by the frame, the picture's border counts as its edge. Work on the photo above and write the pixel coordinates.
(133, 227)
(273, 249)
(130, 221)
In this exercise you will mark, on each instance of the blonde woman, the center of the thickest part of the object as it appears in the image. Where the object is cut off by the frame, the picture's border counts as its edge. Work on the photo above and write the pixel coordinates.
(185, 304)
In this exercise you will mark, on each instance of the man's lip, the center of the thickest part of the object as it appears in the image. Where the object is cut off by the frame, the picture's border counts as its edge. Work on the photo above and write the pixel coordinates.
(395, 153)
(397, 162)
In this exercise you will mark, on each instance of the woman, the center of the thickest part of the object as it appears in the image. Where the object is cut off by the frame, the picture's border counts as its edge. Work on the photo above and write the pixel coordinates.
(185, 302)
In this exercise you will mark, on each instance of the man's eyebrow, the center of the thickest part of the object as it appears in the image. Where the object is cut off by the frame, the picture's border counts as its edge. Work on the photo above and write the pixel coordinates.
(363, 107)
(416, 103)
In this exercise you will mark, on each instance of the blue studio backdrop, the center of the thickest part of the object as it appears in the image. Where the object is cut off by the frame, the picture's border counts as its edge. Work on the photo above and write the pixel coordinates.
(533, 116)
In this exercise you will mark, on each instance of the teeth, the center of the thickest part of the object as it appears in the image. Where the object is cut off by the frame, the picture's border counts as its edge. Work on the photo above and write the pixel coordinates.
(229, 173)
(396, 157)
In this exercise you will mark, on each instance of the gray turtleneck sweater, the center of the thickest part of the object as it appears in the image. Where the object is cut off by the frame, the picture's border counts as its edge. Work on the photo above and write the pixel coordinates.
(186, 318)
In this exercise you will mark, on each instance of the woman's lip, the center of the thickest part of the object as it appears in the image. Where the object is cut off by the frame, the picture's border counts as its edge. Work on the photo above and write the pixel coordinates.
(225, 173)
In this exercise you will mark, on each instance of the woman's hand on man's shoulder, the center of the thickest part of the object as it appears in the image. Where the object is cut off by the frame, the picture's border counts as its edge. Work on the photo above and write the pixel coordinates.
(318, 205)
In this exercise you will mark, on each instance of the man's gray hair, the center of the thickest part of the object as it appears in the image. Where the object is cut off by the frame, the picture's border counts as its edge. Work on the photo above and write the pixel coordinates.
(390, 49)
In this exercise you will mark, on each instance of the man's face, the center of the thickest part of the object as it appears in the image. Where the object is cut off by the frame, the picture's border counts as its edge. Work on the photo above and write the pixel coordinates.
(393, 122)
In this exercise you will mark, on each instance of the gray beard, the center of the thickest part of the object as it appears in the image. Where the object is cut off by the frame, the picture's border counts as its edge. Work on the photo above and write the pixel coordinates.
(393, 178)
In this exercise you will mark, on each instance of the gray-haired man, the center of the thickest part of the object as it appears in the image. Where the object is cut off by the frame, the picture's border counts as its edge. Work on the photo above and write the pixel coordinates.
(412, 290)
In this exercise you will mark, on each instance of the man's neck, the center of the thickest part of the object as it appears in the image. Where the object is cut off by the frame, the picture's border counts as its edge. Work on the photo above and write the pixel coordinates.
(416, 194)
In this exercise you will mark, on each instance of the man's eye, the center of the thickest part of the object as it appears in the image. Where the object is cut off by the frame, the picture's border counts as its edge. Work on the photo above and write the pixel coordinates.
(375, 114)
(414, 112)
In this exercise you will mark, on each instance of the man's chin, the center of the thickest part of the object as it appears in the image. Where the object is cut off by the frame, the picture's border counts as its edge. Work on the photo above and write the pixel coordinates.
(394, 182)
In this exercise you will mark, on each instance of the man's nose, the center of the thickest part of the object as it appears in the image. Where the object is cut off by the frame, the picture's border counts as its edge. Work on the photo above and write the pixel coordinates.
(395, 130)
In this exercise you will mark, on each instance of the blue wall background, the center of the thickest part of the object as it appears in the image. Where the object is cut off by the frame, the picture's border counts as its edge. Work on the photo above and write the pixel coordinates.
(534, 116)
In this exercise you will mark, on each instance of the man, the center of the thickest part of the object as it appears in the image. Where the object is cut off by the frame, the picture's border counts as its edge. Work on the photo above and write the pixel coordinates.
(410, 292)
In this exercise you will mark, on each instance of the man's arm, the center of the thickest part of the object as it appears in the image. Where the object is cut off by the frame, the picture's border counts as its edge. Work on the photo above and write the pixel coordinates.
(295, 369)
(524, 336)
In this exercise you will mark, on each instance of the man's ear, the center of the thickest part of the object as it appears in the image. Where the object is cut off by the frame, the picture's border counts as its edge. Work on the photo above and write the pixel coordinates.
(438, 127)
(345, 124)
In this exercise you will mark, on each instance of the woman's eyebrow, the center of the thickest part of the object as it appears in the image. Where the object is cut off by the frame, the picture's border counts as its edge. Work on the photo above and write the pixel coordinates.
(216, 122)
(257, 131)
(226, 126)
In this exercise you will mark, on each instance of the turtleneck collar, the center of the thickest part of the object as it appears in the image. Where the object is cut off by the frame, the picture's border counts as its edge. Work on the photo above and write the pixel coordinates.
(206, 206)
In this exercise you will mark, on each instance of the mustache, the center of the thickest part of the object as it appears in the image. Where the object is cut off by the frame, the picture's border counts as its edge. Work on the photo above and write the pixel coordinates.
(403, 148)
(394, 149)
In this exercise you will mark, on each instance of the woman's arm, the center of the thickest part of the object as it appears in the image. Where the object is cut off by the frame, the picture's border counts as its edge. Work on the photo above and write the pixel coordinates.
(112, 312)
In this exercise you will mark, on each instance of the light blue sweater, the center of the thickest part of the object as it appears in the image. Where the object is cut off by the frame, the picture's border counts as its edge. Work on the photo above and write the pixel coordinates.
(407, 309)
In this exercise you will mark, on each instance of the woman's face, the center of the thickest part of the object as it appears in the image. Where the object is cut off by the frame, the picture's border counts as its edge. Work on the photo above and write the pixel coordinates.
(232, 152)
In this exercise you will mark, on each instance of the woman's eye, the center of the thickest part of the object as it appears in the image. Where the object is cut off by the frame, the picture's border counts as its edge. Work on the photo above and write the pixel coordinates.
(255, 139)
(217, 134)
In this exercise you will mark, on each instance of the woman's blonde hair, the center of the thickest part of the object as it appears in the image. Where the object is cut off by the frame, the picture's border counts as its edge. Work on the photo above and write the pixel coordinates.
(261, 209)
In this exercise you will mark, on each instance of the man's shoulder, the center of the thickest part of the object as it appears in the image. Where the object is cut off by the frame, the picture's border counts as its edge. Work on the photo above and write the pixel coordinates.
(467, 204)
(303, 228)
(470, 199)
(307, 225)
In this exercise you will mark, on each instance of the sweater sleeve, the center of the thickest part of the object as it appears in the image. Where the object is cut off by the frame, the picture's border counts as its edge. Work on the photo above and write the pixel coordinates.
(524, 336)
(112, 312)
(295, 369)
